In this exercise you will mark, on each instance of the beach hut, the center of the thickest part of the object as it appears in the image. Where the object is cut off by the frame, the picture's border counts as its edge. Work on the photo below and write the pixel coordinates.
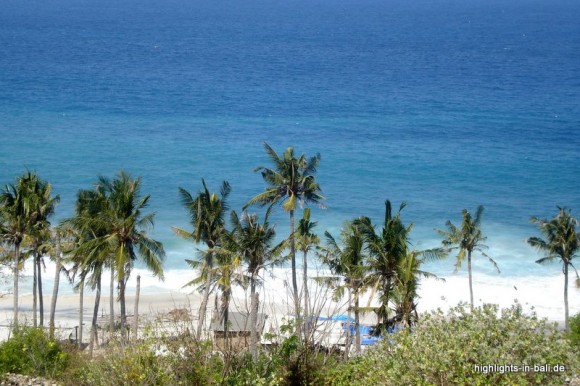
(238, 331)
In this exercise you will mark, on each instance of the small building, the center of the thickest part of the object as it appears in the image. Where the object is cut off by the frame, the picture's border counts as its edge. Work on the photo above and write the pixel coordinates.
(238, 331)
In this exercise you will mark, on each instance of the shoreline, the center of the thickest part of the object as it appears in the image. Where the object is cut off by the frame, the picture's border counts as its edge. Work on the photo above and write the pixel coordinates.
(156, 302)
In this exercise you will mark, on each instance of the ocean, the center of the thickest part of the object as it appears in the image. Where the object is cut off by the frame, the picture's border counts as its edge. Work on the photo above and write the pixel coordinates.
(442, 104)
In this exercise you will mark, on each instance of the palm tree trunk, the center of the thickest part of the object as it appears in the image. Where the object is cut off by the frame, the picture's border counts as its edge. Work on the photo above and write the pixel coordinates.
(356, 322)
(348, 339)
(293, 262)
(136, 311)
(470, 278)
(206, 292)
(123, 310)
(40, 294)
(34, 292)
(81, 307)
(226, 318)
(306, 297)
(55, 288)
(112, 303)
(566, 310)
(253, 318)
(16, 272)
(94, 333)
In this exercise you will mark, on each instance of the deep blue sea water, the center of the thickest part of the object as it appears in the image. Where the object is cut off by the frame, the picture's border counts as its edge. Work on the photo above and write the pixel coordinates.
(443, 104)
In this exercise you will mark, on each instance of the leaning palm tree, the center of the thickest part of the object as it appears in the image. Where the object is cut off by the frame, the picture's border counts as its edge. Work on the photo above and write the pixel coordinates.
(386, 249)
(291, 181)
(207, 216)
(467, 239)
(306, 240)
(349, 260)
(252, 243)
(562, 242)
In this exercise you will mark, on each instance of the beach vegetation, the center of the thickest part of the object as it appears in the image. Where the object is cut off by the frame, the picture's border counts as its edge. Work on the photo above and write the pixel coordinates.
(252, 242)
(465, 346)
(467, 238)
(87, 253)
(348, 259)
(26, 207)
(126, 234)
(386, 248)
(306, 241)
(561, 242)
(405, 292)
(30, 351)
(574, 334)
(291, 182)
(207, 213)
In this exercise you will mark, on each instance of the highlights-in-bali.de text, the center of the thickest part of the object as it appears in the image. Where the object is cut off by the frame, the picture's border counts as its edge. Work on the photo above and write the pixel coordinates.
(502, 369)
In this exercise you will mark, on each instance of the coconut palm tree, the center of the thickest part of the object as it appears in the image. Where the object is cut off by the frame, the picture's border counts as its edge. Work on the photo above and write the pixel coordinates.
(89, 254)
(128, 232)
(562, 242)
(41, 207)
(207, 216)
(25, 207)
(252, 243)
(409, 273)
(386, 250)
(306, 240)
(349, 260)
(467, 239)
(225, 273)
(291, 181)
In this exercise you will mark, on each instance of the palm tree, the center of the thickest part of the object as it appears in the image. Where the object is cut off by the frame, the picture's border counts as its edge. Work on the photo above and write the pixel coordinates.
(386, 250)
(251, 242)
(125, 235)
(207, 217)
(350, 262)
(224, 274)
(290, 181)
(408, 274)
(466, 239)
(89, 254)
(128, 232)
(41, 207)
(306, 240)
(25, 207)
(562, 241)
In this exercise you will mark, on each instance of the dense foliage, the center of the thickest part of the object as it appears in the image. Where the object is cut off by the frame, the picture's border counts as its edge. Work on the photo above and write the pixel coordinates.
(30, 351)
(457, 348)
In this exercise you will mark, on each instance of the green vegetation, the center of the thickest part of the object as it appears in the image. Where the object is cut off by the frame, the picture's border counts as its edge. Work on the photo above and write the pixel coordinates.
(480, 346)
(30, 351)
(562, 242)
(457, 348)
(109, 232)
(467, 239)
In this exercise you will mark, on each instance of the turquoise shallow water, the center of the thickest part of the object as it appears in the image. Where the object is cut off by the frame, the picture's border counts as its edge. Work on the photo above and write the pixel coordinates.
(445, 105)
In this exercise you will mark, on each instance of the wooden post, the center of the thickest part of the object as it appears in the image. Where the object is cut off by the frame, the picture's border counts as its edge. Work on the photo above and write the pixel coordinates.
(136, 313)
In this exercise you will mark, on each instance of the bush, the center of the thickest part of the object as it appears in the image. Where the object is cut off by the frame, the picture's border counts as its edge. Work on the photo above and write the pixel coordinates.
(455, 348)
(574, 324)
(31, 352)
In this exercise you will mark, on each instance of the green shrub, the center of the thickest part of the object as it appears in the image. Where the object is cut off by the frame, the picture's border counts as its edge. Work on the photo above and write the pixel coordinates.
(574, 324)
(454, 348)
(31, 352)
